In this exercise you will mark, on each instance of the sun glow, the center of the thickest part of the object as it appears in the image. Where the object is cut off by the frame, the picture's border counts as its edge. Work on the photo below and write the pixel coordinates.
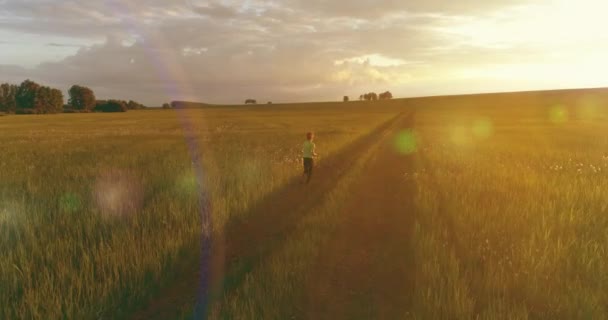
(561, 42)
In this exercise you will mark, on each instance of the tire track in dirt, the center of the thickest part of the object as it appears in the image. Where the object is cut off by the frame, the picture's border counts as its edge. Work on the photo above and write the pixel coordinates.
(366, 269)
(247, 242)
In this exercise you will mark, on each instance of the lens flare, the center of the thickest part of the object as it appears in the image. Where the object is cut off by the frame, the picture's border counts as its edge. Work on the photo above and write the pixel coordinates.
(118, 193)
(70, 202)
(482, 128)
(461, 136)
(406, 142)
(187, 184)
(5, 216)
(10, 213)
(558, 114)
(176, 85)
(587, 108)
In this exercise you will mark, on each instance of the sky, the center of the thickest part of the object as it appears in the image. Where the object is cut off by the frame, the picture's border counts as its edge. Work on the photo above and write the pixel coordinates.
(225, 51)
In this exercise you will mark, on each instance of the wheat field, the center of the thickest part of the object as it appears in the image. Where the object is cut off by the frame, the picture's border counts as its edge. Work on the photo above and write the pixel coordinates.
(507, 199)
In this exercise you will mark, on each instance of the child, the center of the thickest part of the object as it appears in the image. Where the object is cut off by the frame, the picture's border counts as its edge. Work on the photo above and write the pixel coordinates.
(308, 154)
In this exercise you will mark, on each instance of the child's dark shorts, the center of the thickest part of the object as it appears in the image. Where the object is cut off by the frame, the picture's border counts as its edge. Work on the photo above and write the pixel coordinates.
(308, 164)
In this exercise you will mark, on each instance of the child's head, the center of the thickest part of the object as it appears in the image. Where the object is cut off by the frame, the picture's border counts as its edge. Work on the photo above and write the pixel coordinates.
(310, 136)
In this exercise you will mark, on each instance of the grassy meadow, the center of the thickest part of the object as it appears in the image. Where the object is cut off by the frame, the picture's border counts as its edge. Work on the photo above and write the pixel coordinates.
(510, 209)
(96, 208)
(510, 216)
(512, 203)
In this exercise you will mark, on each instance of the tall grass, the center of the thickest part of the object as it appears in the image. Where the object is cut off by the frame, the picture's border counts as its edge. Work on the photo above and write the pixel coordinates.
(95, 209)
(512, 212)
(275, 288)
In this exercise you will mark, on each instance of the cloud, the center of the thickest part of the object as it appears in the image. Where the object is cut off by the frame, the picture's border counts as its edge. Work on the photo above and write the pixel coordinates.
(381, 8)
(218, 11)
(62, 45)
(226, 50)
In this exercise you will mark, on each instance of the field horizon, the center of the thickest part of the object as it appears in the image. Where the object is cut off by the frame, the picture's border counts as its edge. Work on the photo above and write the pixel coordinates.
(488, 206)
(562, 91)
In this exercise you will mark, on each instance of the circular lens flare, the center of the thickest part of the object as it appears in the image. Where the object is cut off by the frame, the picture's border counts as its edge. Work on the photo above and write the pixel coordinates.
(406, 142)
(587, 108)
(118, 193)
(70, 202)
(482, 128)
(558, 114)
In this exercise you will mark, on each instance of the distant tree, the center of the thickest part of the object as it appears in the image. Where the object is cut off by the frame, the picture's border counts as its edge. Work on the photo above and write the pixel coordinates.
(132, 105)
(32, 98)
(174, 104)
(385, 95)
(110, 106)
(372, 96)
(57, 101)
(8, 102)
(99, 104)
(269, 102)
(81, 98)
(166, 106)
(345, 99)
(361, 98)
(26, 96)
(48, 100)
(251, 101)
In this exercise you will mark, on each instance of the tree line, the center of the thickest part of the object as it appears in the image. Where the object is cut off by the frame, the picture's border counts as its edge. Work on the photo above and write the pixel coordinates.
(372, 96)
(30, 97)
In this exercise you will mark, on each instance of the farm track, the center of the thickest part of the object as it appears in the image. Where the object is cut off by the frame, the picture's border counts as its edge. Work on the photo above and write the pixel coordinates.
(364, 270)
(245, 243)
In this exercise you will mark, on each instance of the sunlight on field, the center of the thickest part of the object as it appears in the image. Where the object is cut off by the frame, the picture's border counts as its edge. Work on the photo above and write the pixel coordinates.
(94, 217)
(514, 227)
(510, 209)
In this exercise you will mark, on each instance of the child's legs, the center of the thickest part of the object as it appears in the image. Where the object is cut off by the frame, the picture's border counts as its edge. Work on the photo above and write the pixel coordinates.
(308, 165)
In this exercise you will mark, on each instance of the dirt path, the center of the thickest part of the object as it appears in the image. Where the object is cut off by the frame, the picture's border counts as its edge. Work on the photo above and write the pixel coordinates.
(363, 272)
(246, 243)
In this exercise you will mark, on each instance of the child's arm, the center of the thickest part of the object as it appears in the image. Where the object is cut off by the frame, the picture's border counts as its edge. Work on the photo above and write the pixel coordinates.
(314, 150)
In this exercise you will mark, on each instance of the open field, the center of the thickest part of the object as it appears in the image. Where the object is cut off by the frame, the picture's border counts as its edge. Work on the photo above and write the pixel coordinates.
(95, 209)
(488, 206)
(512, 208)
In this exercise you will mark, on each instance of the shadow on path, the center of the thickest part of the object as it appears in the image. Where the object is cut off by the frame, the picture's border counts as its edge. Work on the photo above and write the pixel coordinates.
(248, 241)
(363, 272)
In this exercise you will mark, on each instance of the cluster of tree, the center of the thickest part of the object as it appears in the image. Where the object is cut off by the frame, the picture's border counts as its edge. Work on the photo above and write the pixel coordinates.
(251, 101)
(372, 96)
(8, 101)
(133, 105)
(111, 106)
(385, 95)
(30, 98)
(82, 99)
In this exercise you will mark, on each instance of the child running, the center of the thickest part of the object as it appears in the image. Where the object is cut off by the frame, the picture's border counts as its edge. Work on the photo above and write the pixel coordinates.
(308, 154)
